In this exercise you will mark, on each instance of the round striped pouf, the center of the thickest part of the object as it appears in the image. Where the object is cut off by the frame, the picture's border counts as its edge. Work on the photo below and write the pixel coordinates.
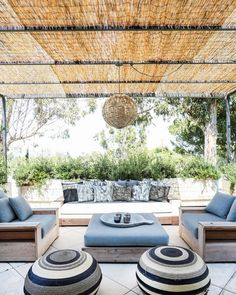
(64, 272)
(169, 270)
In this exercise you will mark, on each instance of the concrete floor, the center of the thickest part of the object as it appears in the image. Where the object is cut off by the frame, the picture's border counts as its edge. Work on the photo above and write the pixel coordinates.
(118, 279)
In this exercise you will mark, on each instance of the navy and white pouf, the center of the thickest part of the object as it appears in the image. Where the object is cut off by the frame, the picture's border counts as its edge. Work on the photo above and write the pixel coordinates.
(169, 270)
(64, 272)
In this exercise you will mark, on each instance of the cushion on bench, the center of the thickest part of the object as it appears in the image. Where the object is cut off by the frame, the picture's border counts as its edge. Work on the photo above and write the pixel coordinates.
(191, 220)
(47, 222)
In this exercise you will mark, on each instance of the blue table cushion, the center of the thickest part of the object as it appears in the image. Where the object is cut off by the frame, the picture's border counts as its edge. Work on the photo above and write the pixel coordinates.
(220, 204)
(47, 222)
(191, 220)
(99, 234)
(232, 212)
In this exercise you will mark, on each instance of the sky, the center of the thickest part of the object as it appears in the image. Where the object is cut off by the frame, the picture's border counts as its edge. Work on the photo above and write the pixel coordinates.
(81, 140)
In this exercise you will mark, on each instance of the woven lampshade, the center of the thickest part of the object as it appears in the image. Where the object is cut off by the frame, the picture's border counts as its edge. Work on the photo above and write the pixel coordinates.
(119, 111)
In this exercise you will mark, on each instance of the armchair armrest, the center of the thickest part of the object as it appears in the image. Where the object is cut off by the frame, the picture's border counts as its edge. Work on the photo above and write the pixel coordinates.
(217, 230)
(53, 211)
(18, 225)
(20, 231)
(192, 209)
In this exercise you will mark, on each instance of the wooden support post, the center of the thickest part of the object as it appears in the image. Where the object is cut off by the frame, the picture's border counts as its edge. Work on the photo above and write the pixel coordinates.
(4, 133)
(228, 130)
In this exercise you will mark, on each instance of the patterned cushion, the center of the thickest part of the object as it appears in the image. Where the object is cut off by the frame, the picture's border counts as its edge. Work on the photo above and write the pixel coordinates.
(158, 192)
(21, 207)
(6, 212)
(103, 191)
(121, 193)
(70, 191)
(85, 192)
(141, 191)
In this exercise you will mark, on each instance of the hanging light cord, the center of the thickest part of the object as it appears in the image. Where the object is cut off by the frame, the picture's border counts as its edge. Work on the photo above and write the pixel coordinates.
(119, 78)
(145, 74)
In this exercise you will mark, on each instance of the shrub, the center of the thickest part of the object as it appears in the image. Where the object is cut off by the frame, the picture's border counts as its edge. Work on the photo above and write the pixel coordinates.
(198, 168)
(229, 171)
(68, 168)
(162, 167)
(139, 164)
(2, 171)
(33, 172)
(135, 166)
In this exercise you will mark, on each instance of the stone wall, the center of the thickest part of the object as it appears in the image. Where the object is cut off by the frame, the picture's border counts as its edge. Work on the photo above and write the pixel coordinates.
(188, 191)
(50, 191)
(191, 191)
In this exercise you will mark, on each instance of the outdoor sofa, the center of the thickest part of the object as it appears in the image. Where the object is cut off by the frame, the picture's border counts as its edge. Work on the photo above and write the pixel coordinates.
(211, 230)
(82, 200)
(25, 234)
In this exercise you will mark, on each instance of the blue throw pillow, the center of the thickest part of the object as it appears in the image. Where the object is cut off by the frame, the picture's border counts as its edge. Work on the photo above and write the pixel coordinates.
(21, 208)
(6, 212)
(220, 204)
(2, 194)
(232, 212)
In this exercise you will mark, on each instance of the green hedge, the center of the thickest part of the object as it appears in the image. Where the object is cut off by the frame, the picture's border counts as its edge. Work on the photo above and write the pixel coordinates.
(138, 165)
(229, 171)
(2, 171)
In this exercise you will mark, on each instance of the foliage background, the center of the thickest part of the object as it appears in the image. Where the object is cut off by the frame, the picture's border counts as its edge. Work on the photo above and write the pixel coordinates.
(139, 164)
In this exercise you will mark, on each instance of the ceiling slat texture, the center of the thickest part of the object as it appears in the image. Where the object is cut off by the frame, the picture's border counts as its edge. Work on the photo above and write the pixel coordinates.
(39, 32)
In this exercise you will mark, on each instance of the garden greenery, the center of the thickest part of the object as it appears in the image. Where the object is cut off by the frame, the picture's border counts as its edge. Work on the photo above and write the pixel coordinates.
(139, 164)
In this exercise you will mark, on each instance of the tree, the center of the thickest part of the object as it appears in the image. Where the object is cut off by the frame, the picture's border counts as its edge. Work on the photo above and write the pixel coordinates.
(29, 117)
(122, 141)
(191, 131)
(195, 114)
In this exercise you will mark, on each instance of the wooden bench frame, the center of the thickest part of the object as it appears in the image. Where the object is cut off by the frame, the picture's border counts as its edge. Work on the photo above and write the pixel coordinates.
(216, 240)
(23, 242)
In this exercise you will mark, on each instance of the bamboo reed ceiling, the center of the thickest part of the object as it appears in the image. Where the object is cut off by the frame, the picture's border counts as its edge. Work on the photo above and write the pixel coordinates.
(168, 47)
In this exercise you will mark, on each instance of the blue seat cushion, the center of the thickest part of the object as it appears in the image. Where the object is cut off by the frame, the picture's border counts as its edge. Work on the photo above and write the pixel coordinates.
(6, 212)
(21, 208)
(232, 212)
(47, 222)
(220, 204)
(191, 220)
(99, 234)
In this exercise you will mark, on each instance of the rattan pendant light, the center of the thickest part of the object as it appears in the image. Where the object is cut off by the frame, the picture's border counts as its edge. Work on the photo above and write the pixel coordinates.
(119, 110)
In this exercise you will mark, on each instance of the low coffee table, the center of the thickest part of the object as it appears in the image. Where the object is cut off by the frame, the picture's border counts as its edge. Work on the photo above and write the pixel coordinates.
(114, 244)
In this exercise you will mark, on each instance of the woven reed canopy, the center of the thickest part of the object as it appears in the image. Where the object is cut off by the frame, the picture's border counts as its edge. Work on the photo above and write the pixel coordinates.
(70, 48)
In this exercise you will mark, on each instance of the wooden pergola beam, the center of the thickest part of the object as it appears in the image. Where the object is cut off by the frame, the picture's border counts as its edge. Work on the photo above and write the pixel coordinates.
(4, 132)
(228, 129)
(116, 62)
(103, 28)
(119, 82)
(104, 95)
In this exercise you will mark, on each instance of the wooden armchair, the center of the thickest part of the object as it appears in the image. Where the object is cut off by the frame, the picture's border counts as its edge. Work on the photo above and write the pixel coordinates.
(22, 241)
(216, 240)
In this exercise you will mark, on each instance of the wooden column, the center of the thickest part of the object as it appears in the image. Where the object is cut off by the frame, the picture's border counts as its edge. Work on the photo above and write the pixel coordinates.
(228, 130)
(4, 133)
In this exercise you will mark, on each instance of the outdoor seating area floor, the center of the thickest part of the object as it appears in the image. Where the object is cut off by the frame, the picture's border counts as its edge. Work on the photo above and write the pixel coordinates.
(119, 278)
